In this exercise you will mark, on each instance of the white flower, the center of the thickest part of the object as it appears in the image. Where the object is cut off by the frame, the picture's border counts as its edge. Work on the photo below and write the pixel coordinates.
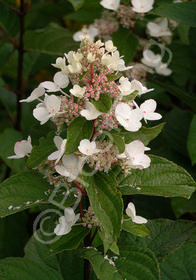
(90, 113)
(39, 91)
(150, 59)
(44, 111)
(88, 148)
(109, 46)
(60, 63)
(134, 152)
(130, 211)
(128, 118)
(91, 32)
(110, 4)
(121, 65)
(91, 57)
(162, 69)
(159, 29)
(60, 81)
(78, 91)
(142, 6)
(71, 167)
(74, 61)
(148, 108)
(22, 148)
(136, 85)
(60, 144)
(66, 222)
(125, 86)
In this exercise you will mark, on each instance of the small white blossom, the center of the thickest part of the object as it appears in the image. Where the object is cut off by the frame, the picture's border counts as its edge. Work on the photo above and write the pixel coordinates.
(91, 32)
(22, 148)
(88, 148)
(71, 167)
(78, 91)
(91, 57)
(109, 46)
(121, 65)
(130, 211)
(38, 92)
(110, 4)
(159, 29)
(125, 86)
(60, 63)
(90, 113)
(44, 111)
(66, 222)
(128, 118)
(134, 153)
(148, 108)
(163, 69)
(136, 85)
(150, 59)
(60, 144)
(74, 61)
(142, 6)
(60, 81)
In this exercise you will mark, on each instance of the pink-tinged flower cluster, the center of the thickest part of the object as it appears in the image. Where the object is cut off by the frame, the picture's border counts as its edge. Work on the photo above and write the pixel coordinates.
(127, 16)
(106, 25)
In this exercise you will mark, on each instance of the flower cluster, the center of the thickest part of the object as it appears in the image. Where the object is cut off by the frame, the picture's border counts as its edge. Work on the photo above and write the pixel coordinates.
(102, 98)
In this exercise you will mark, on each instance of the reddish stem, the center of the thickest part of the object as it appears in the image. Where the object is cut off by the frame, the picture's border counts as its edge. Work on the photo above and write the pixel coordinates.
(27, 7)
(14, 43)
(81, 211)
(92, 72)
(78, 187)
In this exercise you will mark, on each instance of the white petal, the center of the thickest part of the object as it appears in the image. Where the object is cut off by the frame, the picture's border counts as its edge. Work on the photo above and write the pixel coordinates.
(130, 211)
(90, 113)
(54, 155)
(61, 80)
(61, 150)
(41, 113)
(52, 103)
(49, 86)
(152, 116)
(110, 4)
(57, 141)
(139, 220)
(87, 148)
(148, 106)
(35, 94)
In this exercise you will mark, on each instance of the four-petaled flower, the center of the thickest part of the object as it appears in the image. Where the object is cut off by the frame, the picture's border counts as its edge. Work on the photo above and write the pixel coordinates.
(86, 32)
(78, 91)
(22, 148)
(148, 108)
(88, 148)
(130, 211)
(159, 29)
(60, 144)
(150, 59)
(110, 4)
(66, 222)
(142, 6)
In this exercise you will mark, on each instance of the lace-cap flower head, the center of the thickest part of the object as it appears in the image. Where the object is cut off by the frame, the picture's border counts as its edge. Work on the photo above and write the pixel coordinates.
(142, 6)
(131, 212)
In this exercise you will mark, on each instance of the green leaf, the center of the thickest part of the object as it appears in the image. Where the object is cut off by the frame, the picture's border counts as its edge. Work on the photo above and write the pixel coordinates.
(181, 12)
(192, 140)
(77, 4)
(130, 97)
(162, 178)
(118, 141)
(41, 152)
(181, 264)
(53, 40)
(20, 268)
(138, 263)
(8, 138)
(22, 191)
(106, 203)
(78, 130)
(181, 206)
(144, 134)
(136, 229)
(126, 42)
(179, 93)
(165, 236)
(104, 103)
(5, 52)
(112, 77)
(9, 21)
(101, 266)
(69, 241)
